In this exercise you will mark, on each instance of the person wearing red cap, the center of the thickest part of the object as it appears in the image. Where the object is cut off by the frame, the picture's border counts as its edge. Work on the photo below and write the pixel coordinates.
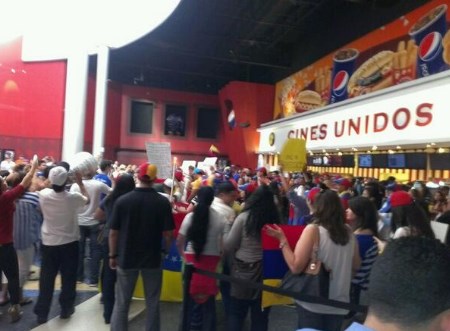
(408, 217)
(141, 221)
(310, 199)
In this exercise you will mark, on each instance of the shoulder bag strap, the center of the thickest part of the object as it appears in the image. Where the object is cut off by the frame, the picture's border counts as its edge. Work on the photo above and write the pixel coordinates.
(315, 251)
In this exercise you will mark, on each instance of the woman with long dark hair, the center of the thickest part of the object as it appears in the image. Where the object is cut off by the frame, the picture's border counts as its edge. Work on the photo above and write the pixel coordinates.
(124, 184)
(338, 252)
(244, 242)
(363, 217)
(202, 230)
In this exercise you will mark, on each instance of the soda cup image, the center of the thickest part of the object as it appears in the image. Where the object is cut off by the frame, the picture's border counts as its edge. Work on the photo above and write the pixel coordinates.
(343, 67)
(428, 32)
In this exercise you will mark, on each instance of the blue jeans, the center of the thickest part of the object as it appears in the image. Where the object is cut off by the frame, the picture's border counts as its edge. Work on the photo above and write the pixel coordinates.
(238, 312)
(109, 277)
(207, 312)
(91, 232)
(126, 281)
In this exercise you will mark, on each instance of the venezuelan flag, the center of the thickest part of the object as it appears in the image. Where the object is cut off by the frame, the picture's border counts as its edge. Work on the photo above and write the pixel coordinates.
(274, 266)
(172, 289)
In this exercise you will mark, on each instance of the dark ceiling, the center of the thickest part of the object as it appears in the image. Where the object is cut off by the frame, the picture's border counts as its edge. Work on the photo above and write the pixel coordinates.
(205, 44)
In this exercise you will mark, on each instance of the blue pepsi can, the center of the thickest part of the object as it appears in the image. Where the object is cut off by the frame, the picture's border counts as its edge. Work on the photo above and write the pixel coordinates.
(343, 68)
(428, 32)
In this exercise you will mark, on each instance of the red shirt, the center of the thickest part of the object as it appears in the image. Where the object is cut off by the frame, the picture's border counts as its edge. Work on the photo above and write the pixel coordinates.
(7, 208)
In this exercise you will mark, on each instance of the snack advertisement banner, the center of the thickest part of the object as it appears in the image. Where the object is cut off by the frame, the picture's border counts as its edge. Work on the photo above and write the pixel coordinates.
(415, 45)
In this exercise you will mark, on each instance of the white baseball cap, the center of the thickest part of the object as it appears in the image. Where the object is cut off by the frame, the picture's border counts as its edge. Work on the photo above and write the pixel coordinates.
(58, 176)
(168, 182)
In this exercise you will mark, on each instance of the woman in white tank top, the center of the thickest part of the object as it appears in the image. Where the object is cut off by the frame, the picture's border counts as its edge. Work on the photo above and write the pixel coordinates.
(338, 251)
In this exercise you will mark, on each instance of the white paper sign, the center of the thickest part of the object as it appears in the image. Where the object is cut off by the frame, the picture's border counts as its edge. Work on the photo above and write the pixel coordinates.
(186, 164)
(210, 161)
(160, 155)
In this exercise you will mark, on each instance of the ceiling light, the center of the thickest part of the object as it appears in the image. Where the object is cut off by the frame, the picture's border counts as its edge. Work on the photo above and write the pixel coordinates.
(391, 151)
(398, 147)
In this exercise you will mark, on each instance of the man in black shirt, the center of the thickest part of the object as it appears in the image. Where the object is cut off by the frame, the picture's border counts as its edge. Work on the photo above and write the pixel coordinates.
(141, 221)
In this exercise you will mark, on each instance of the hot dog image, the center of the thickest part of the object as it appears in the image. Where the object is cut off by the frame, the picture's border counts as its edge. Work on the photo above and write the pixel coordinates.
(373, 75)
(307, 100)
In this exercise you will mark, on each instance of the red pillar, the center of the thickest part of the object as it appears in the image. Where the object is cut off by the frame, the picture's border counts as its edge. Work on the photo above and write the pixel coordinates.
(253, 105)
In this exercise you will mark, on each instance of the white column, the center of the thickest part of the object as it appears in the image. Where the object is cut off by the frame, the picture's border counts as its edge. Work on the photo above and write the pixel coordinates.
(75, 104)
(101, 94)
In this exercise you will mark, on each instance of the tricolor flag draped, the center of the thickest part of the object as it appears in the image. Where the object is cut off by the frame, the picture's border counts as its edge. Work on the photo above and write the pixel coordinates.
(172, 289)
(274, 267)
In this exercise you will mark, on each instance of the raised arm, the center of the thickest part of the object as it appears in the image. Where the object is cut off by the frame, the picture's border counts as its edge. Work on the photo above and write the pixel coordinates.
(26, 181)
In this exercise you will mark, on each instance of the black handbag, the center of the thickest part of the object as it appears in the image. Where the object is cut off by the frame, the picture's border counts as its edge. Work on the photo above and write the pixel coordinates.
(249, 271)
(314, 280)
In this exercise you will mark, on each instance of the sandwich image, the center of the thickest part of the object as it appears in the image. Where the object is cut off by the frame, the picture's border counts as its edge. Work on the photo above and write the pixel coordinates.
(307, 100)
(373, 75)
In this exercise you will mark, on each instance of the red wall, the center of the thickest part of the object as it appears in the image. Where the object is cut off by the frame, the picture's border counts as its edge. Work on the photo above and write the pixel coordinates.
(31, 103)
(252, 103)
(184, 148)
(32, 112)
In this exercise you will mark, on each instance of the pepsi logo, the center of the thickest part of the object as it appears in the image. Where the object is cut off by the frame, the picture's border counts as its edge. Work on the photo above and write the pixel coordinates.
(340, 82)
(430, 46)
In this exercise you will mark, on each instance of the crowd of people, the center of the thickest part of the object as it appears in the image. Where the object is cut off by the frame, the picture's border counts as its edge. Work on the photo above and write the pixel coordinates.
(50, 213)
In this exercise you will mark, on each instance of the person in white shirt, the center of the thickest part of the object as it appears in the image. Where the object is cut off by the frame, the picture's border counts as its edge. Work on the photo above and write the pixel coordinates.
(60, 235)
(90, 228)
(226, 195)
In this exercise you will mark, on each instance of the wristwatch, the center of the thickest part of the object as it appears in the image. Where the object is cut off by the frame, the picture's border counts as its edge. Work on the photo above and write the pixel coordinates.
(113, 256)
(282, 244)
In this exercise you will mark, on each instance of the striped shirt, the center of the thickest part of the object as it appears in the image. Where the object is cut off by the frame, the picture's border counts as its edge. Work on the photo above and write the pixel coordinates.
(27, 221)
(368, 250)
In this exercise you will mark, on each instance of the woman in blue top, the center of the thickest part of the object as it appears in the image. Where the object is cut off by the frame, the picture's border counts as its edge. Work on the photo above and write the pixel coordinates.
(363, 216)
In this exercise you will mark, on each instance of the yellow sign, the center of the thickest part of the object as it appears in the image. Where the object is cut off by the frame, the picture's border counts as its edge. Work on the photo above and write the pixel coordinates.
(293, 155)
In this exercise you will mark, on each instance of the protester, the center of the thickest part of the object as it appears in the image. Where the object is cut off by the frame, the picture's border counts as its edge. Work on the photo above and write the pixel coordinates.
(124, 184)
(338, 251)
(202, 230)
(26, 234)
(223, 202)
(90, 228)
(363, 217)
(408, 217)
(140, 222)
(60, 235)
(8, 256)
(244, 241)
